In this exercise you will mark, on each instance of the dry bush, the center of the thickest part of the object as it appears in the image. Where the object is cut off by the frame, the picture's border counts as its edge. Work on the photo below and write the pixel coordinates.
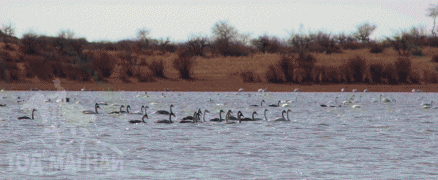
(356, 68)
(287, 67)
(376, 48)
(103, 64)
(330, 75)
(157, 68)
(351, 45)
(31, 44)
(41, 69)
(249, 77)
(376, 72)
(430, 76)
(435, 58)
(143, 75)
(226, 48)
(273, 75)
(416, 51)
(390, 73)
(57, 69)
(306, 63)
(403, 68)
(184, 66)
(9, 71)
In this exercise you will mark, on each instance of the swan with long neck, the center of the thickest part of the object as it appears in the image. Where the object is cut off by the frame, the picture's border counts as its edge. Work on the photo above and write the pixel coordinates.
(92, 112)
(261, 104)
(255, 119)
(191, 120)
(27, 117)
(140, 112)
(429, 106)
(192, 117)
(139, 121)
(275, 105)
(118, 112)
(165, 112)
(203, 117)
(227, 117)
(167, 121)
(220, 117)
(282, 116)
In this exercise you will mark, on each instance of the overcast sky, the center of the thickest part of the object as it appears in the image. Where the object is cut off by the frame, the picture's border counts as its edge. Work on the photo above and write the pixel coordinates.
(113, 20)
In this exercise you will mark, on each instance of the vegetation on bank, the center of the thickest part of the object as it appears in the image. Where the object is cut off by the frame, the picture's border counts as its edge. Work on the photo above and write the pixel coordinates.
(408, 58)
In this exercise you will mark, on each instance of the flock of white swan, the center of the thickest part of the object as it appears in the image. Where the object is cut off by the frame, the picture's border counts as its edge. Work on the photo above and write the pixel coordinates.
(229, 119)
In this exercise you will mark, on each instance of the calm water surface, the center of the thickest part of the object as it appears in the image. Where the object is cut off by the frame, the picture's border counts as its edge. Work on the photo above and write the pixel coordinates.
(394, 140)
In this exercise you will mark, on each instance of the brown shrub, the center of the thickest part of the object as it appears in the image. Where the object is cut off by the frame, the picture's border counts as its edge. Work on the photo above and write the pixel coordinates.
(249, 77)
(287, 67)
(143, 75)
(184, 66)
(351, 45)
(430, 77)
(306, 63)
(103, 64)
(41, 69)
(376, 72)
(376, 48)
(157, 68)
(356, 69)
(403, 68)
(330, 75)
(273, 76)
(390, 73)
(435, 58)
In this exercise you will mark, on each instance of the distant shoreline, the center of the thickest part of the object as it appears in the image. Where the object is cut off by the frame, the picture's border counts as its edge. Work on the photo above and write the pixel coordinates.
(216, 86)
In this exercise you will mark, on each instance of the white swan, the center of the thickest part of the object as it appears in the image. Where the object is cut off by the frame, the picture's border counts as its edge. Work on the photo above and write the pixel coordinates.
(384, 99)
(203, 116)
(297, 90)
(342, 90)
(139, 112)
(356, 106)
(282, 116)
(92, 112)
(354, 90)
(27, 117)
(429, 106)
(365, 90)
(138, 121)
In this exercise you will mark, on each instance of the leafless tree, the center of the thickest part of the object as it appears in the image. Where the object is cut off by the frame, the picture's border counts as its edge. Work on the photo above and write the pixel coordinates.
(142, 35)
(223, 30)
(66, 34)
(364, 32)
(433, 12)
(197, 45)
(8, 31)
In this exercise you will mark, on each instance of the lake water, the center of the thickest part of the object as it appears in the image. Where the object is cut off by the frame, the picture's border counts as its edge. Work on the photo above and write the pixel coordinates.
(394, 140)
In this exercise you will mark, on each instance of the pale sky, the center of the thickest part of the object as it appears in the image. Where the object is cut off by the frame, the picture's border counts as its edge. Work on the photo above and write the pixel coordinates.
(178, 19)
